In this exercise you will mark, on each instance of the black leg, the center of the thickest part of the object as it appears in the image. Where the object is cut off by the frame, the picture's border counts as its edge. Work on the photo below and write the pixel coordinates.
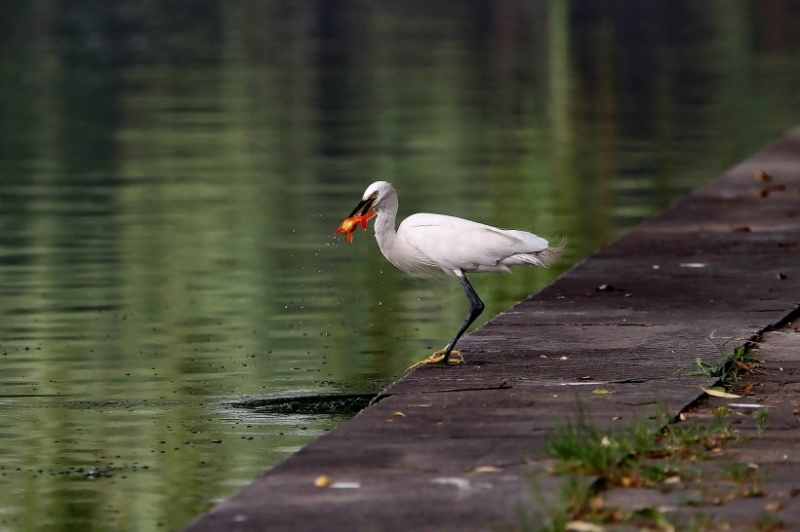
(476, 307)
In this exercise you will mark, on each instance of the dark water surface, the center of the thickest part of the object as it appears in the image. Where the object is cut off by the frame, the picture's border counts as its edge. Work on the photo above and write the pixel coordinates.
(170, 179)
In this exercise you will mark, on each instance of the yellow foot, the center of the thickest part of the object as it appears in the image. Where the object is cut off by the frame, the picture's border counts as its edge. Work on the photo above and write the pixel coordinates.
(438, 357)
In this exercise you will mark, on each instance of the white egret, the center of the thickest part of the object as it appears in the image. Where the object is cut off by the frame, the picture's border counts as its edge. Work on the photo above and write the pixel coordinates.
(426, 243)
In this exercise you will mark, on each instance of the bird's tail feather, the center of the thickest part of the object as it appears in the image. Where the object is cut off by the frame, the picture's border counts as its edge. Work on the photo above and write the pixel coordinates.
(547, 257)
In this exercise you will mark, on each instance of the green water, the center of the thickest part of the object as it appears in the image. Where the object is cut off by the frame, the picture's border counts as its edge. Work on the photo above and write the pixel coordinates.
(170, 177)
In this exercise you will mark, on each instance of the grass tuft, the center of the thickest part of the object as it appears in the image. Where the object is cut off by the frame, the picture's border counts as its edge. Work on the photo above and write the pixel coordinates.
(640, 456)
(732, 366)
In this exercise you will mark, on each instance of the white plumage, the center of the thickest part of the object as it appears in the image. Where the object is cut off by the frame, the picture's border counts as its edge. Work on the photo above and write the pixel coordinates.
(425, 243)
(453, 244)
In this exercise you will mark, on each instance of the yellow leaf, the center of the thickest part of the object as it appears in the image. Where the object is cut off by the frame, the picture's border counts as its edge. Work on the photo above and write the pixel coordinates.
(323, 481)
(486, 469)
(583, 526)
(719, 392)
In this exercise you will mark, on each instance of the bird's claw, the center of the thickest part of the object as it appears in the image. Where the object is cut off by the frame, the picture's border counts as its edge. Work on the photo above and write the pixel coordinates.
(438, 357)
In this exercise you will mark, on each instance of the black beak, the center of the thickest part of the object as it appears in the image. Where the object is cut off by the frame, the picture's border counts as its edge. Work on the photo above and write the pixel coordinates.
(363, 207)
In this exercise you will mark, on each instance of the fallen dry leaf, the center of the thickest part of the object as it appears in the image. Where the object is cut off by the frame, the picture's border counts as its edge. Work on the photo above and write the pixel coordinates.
(761, 175)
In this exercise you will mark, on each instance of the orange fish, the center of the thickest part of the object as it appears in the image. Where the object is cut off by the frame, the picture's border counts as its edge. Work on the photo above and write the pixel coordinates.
(349, 225)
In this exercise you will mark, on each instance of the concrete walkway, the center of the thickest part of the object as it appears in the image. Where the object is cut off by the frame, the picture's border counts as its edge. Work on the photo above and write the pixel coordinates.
(456, 448)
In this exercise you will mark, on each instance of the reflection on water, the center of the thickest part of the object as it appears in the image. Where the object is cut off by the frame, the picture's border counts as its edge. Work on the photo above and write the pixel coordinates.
(169, 183)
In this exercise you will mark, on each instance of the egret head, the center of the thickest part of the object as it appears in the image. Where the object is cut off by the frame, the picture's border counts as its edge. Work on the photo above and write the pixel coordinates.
(374, 197)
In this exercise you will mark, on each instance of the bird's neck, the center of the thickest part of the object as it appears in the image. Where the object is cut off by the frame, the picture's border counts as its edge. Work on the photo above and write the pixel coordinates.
(385, 232)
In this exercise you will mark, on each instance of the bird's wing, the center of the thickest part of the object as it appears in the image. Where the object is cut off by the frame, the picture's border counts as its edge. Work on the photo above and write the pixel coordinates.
(458, 244)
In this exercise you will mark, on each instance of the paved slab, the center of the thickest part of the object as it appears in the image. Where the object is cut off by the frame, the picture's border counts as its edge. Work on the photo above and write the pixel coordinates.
(455, 448)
